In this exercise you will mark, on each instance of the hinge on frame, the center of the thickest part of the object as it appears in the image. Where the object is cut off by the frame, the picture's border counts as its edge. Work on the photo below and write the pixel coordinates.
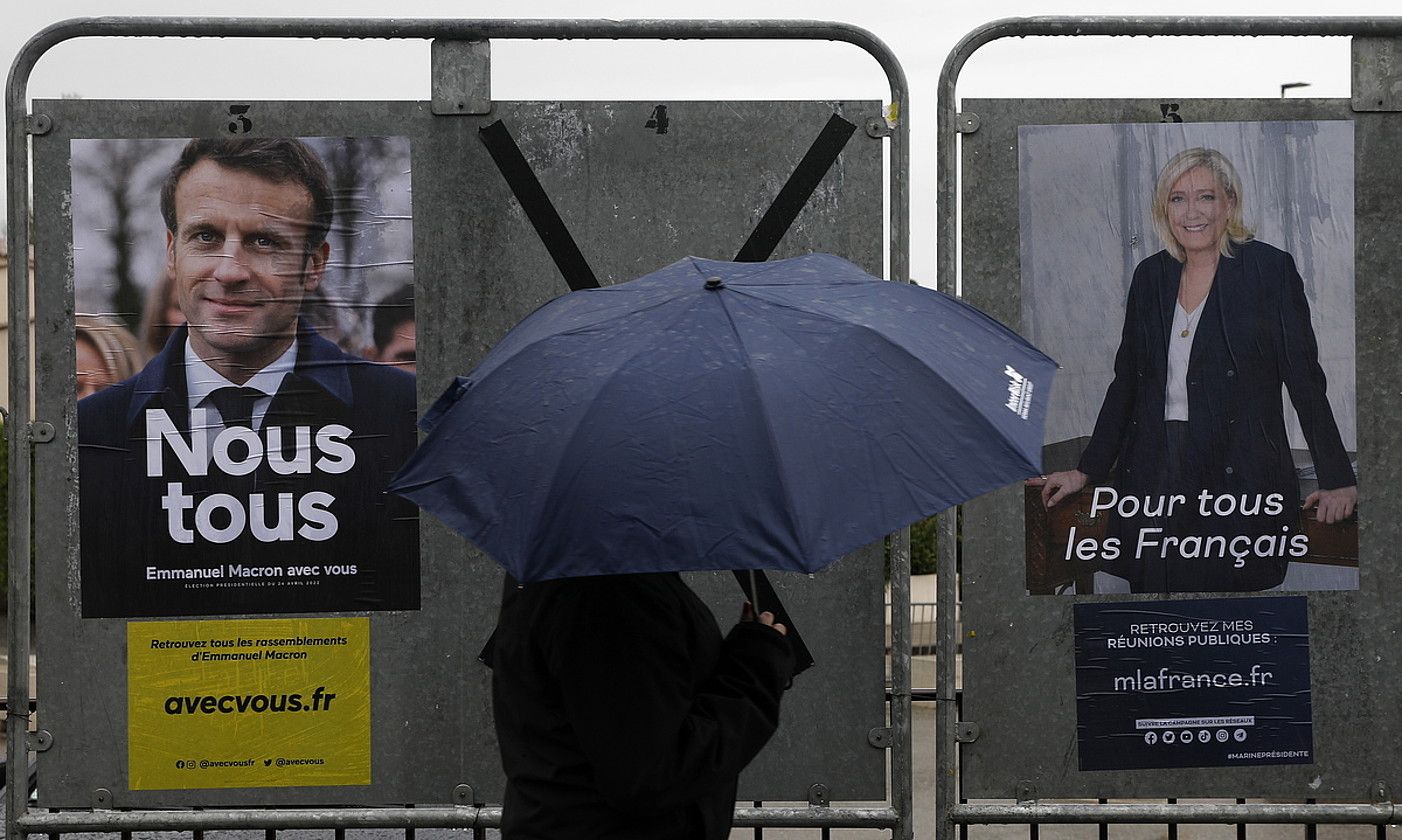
(462, 77)
(1379, 793)
(1025, 792)
(39, 740)
(966, 123)
(880, 737)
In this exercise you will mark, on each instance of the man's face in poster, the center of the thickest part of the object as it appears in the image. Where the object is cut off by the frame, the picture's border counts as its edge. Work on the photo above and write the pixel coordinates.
(240, 265)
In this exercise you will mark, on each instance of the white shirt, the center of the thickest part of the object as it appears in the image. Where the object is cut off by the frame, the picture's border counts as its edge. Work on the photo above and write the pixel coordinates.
(201, 380)
(1175, 396)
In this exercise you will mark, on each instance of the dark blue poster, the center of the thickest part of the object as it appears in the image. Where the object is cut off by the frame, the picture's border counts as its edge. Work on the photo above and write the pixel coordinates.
(1204, 683)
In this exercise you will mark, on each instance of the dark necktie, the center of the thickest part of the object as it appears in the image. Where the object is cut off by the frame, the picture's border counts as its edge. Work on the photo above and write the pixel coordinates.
(236, 405)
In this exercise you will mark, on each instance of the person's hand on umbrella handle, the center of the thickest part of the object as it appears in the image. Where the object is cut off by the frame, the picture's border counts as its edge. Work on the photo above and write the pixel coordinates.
(747, 613)
(1059, 485)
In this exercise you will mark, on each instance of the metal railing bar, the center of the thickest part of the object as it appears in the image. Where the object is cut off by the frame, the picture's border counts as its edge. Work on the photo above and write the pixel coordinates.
(1196, 813)
(271, 820)
(409, 818)
(902, 752)
(807, 816)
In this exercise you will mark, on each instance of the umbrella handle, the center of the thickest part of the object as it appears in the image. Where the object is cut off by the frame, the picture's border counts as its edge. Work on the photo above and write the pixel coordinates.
(759, 582)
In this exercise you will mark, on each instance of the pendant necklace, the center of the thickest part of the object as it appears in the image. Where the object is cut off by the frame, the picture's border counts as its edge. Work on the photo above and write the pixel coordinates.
(1196, 313)
(1192, 319)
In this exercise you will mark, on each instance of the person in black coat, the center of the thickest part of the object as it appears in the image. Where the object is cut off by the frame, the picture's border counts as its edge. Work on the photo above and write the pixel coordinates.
(621, 712)
(1192, 430)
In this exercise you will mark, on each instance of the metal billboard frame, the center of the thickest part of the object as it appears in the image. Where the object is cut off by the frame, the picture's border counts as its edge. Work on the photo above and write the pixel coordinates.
(951, 814)
(26, 431)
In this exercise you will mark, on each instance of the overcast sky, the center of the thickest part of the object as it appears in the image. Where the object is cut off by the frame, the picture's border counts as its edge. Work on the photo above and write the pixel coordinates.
(920, 32)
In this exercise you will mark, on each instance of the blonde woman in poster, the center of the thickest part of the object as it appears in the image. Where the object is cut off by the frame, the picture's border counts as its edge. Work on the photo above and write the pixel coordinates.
(1203, 493)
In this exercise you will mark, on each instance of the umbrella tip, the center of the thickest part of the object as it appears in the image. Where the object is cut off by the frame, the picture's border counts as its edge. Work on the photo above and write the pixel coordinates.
(714, 283)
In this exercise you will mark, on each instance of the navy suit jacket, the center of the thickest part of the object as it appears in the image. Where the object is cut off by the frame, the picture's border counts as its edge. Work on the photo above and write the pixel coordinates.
(1253, 337)
(308, 529)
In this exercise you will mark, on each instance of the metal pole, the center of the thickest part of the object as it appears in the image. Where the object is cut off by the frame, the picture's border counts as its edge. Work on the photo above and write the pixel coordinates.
(948, 811)
(17, 438)
(902, 761)
(17, 161)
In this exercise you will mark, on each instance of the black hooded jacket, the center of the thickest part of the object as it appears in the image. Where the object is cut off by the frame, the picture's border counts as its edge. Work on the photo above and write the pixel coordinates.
(622, 713)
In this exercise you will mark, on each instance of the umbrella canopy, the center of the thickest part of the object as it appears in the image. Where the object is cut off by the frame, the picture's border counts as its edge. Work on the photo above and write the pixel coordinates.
(717, 415)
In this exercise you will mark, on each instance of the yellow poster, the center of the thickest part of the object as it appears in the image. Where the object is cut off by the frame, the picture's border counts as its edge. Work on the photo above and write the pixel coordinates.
(248, 703)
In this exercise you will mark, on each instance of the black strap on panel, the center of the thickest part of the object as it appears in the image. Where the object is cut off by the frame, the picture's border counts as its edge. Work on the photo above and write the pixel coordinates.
(542, 214)
(763, 240)
(797, 190)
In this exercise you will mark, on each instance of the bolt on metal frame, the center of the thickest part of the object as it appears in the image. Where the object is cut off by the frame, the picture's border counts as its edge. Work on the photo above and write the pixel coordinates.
(950, 812)
(24, 430)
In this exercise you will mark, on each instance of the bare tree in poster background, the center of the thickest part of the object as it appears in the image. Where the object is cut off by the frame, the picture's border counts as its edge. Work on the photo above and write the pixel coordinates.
(118, 170)
(356, 167)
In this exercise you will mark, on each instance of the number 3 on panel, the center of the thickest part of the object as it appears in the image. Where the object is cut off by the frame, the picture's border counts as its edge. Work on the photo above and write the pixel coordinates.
(240, 124)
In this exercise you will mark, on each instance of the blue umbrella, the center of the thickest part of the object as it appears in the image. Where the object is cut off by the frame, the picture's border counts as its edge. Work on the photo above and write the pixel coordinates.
(718, 415)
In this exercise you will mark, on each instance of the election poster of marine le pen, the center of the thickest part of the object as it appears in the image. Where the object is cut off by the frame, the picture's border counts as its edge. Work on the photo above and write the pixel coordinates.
(1196, 283)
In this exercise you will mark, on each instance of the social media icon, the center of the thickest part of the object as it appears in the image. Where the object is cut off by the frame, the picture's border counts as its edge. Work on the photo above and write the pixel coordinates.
(1221, 736)
(1170, 736)
(1204, 736)
(1240, 735)
(1151, 738)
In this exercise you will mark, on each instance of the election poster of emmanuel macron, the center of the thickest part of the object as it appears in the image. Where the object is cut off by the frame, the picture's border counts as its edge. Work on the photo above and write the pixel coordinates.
(1195, 280)
(239, 415)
